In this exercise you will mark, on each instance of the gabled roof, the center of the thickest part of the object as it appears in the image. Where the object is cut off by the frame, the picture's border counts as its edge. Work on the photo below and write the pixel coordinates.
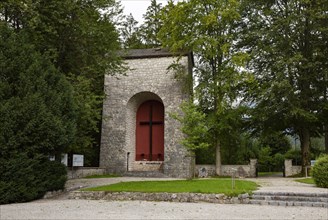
(151, 53)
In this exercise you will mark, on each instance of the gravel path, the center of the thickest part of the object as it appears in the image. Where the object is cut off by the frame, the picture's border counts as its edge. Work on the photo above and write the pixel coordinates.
(286, 185)
(61, 208)
(100, 209)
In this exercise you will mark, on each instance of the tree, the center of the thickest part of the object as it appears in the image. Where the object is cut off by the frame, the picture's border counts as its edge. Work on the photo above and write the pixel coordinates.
(207, 28)
(287, 43)
(130, 34)
(81, 40)
(152, 24)
(277, 142)
(38, 113)
(193, 126)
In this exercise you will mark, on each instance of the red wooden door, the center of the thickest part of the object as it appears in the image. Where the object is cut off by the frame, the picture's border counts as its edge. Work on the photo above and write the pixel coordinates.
(150, 131)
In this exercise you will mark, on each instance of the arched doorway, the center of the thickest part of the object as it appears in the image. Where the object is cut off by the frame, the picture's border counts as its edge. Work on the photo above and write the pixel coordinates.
(150, 131)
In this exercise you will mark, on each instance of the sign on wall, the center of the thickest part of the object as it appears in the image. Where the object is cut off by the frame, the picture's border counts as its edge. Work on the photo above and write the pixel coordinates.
(78, 160)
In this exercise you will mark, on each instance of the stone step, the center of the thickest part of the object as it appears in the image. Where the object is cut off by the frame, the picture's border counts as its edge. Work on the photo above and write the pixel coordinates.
(288, 203)
(145, 174)
(292, 194)
(290, 199)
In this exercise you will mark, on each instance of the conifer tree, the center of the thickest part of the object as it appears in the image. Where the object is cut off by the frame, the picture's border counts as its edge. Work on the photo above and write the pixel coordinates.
(287, 41)
(81, 40)
(152, 24)
(130, 33)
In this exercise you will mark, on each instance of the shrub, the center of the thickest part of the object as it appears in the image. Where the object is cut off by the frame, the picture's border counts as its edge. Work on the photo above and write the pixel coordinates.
(295, 156)
(24, 179)
(320, 171)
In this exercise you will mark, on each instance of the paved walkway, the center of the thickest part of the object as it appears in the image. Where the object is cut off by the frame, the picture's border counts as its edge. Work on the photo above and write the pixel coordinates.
(280, 184)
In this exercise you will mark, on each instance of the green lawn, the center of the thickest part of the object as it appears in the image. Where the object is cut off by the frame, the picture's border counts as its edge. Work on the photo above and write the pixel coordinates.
(306, 180)
(265, 174)
(102, 176)
(179, 186)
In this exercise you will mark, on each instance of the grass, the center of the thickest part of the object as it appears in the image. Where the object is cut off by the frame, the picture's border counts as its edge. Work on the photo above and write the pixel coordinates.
(264, 174)
(102, 176)
(306, 180)
(179, 186)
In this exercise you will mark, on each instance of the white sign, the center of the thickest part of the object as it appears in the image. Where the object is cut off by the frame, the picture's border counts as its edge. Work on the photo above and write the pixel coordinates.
(64, 159)
(78, 160)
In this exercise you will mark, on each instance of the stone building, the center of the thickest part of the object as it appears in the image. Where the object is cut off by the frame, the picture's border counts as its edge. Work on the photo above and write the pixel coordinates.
(138, 133)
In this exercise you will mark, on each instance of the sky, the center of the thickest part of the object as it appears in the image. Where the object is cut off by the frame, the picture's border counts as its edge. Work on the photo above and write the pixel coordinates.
(138, 7)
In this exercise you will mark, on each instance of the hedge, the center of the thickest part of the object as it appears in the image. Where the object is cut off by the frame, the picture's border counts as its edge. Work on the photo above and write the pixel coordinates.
(320, 171)
(24, 179)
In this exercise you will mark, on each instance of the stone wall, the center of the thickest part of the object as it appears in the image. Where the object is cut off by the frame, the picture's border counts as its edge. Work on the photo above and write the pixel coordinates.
(147, 166)
(80, 172)
(147, 79)
(228, 170)
(291, 170)
(168, 197)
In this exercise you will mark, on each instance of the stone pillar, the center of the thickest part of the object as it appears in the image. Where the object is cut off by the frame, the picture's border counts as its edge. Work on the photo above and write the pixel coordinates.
(288, 167)
(253, 168)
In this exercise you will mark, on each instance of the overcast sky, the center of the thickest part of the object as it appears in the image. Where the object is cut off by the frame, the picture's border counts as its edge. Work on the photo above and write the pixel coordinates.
(138, 7)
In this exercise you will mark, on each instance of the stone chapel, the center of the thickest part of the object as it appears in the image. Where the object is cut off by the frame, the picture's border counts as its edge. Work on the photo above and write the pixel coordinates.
(138, 133)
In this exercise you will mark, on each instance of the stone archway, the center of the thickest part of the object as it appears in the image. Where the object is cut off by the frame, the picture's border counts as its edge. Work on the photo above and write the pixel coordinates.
(135, 163)
(147, 78)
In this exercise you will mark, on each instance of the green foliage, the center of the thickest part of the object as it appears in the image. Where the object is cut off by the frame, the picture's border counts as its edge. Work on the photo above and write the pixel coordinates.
(37, 117)
(205, 156)
(180, 186)
(286, 41)
(207, 28)
(294, 155)
(320, 171)
(278, 162)
(37, 107)
(80, 39)
(193, 126)
(130, 33)
(269, 162)
(89, 107)
(265, 159)
(317, 147)
(134, 36)
(24, 179)
(278, 142)
(151, 26)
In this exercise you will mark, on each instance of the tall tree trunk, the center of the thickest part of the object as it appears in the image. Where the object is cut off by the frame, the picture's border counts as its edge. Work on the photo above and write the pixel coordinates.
(326, 140)
(218, 158)
(305, 147)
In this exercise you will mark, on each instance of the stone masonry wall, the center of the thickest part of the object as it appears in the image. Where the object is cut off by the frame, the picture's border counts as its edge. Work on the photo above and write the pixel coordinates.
(167, 197)
(80, 172)
(291, 170)
(228, 170)
(147, 79)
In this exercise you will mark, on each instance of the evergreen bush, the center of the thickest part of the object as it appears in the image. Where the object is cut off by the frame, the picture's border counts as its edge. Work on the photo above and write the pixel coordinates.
(320, 171)
(24, 179)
